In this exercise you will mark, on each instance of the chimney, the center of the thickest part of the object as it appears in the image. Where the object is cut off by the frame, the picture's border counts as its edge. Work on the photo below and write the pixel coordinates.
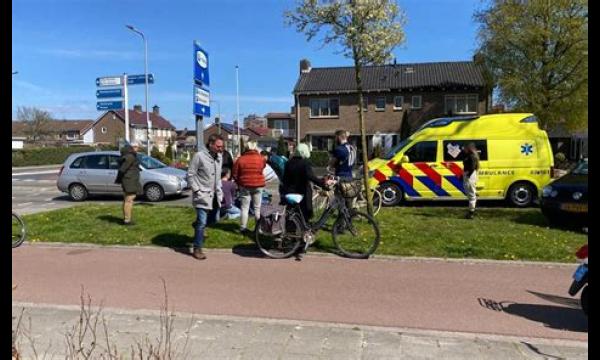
(304, 66)
(137, 108)
(156, 110)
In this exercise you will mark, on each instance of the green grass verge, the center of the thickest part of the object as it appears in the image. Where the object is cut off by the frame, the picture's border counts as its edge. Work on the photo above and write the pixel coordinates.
(497, 233)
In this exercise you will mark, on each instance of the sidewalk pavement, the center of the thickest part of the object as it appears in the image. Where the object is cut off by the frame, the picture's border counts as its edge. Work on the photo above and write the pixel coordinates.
(226, 337)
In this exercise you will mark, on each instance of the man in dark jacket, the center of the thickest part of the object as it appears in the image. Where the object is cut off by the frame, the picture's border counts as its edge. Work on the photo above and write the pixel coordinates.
(470, 168)
(129, 178)
(344, 156)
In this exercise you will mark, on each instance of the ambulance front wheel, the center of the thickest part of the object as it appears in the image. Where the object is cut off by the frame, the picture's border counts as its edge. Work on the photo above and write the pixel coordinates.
(521, 194)
(391, 194)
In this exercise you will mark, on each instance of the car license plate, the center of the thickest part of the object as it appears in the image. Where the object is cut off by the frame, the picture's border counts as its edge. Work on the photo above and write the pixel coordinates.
(580, 272)
(574, 207)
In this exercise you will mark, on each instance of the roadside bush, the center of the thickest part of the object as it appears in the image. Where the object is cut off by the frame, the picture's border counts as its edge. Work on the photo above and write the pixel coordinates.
(319, 158)
(46, 156)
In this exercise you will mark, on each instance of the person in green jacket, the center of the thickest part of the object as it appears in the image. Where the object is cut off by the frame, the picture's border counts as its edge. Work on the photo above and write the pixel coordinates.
(129, 178)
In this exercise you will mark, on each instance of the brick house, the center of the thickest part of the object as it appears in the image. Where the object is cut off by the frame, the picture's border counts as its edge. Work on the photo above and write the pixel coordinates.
(282, 124)
(54, 132)
(398, 98)
(110, 127)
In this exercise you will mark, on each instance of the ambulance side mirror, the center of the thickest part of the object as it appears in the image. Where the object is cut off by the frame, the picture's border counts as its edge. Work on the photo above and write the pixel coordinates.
(405, 159)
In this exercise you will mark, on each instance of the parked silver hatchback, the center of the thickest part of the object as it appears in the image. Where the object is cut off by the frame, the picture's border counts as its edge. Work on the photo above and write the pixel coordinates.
(94, 173)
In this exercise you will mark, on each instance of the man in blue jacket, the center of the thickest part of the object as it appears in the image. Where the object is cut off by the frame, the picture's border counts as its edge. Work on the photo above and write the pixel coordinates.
(344, 156)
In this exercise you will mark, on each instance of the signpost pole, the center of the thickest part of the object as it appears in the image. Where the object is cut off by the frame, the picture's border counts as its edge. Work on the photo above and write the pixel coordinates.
(199, 132)
(126, 95)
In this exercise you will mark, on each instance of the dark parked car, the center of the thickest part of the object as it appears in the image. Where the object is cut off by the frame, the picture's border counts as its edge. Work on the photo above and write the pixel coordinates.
(565, 200)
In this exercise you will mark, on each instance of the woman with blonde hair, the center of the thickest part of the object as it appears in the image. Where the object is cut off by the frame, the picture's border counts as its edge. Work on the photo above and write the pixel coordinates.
(248, 175)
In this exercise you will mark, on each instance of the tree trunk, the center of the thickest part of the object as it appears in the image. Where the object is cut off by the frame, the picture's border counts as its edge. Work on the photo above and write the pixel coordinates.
(363, 136)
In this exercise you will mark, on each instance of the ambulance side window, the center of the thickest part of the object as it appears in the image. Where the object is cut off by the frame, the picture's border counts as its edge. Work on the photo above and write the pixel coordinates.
(453, 149)
(425, 151)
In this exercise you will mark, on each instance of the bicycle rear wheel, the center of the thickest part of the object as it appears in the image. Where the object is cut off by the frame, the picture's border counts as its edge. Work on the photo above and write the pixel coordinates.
(360, 203)
(284, 245)
(356, 237)
(18, 230)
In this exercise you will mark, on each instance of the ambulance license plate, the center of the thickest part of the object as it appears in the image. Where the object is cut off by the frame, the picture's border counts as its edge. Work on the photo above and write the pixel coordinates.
(577, 208)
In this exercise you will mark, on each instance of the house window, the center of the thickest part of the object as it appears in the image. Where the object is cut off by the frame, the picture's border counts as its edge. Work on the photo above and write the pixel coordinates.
(380, 103)
(461, 104)
(398, 101)
(365, 103)
(280, 124)
(417, 102)
(104, 130)
(324, 107)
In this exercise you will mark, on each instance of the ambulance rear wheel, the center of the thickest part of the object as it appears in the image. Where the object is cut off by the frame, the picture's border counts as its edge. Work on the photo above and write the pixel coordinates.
(521, 194)
(391, 194)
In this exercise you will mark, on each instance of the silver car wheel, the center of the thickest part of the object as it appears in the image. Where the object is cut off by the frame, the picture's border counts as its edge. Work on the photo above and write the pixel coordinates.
(77, 192)
(154, 193)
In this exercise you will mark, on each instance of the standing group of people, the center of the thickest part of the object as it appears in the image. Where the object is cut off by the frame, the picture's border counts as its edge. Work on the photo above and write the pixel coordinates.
(216, 180)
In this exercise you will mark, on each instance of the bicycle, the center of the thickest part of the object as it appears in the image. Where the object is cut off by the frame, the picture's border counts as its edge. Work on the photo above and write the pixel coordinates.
(355, 234)
(18, 230)
(322, 197)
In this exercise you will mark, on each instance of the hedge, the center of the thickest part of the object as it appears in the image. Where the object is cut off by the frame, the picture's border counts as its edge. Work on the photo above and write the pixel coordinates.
(49, 155)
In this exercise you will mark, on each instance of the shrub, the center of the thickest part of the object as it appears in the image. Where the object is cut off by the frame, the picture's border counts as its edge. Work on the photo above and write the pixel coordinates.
(45, 156)
(319, 158)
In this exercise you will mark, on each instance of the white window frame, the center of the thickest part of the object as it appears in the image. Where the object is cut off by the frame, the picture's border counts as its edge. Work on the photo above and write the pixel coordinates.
(401, 102)
(412, 102)
(384, 103)
(311, 116)
(466, 98)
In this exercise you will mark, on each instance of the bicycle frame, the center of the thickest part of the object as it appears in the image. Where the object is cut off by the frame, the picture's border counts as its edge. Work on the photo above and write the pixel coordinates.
(338, 203)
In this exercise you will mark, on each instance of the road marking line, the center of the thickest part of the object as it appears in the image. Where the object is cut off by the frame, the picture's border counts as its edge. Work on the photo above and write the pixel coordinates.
(36, 173)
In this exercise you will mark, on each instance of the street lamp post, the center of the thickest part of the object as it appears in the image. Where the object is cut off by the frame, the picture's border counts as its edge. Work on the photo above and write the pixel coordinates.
(148, 123)
(237, 92)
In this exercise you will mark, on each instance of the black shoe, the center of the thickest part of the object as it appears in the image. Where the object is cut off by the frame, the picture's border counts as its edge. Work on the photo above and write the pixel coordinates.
(470, 215)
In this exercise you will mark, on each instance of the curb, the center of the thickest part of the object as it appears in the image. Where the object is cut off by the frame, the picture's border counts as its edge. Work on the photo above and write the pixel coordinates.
(313, 254)
(404, 330)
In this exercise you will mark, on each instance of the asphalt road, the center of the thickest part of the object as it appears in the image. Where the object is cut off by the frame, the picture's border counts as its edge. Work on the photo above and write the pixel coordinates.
(515, 299)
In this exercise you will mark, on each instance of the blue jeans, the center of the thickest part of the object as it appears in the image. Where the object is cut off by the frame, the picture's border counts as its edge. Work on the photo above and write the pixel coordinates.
(231, 213)
(204, 217)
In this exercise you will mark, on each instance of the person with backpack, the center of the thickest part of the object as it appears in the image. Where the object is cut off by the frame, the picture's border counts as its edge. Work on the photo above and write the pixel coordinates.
(248, 174)
(344, 156)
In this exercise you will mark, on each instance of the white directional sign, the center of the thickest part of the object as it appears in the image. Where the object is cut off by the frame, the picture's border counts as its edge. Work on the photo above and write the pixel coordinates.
(201, 101)
(109, 81)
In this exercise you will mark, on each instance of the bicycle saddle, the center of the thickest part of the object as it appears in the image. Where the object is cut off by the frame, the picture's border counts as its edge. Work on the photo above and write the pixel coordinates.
(293, 199)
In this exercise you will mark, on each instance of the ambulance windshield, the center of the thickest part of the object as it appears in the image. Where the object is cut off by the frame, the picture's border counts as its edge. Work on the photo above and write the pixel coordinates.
(393, 151)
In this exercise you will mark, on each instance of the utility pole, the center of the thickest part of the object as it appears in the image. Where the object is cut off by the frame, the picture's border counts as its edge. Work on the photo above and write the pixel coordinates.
(237, 91)
(148, 122)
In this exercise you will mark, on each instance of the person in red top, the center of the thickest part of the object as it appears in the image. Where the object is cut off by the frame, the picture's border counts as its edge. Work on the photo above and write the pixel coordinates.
(248, 174)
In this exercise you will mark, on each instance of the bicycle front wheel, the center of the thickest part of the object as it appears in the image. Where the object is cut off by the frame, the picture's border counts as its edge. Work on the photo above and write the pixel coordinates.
(18, 230)
(356, 236)
(280, 246)
(320, 201)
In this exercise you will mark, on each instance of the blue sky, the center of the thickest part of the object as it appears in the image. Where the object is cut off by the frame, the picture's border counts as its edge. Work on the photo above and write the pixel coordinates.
(61, 46)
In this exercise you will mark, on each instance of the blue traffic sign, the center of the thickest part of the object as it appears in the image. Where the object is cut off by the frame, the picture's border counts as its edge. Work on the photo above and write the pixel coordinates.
(109, 93)
(201, 101)
(201, 65)
(109, 105)
(139, 79)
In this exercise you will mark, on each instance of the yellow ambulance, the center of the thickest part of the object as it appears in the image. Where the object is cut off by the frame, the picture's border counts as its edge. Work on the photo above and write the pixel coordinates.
(516, 160)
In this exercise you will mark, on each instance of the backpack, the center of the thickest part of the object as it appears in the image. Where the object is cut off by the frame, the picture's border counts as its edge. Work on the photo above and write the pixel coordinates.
(351, 154)
(272, 220)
